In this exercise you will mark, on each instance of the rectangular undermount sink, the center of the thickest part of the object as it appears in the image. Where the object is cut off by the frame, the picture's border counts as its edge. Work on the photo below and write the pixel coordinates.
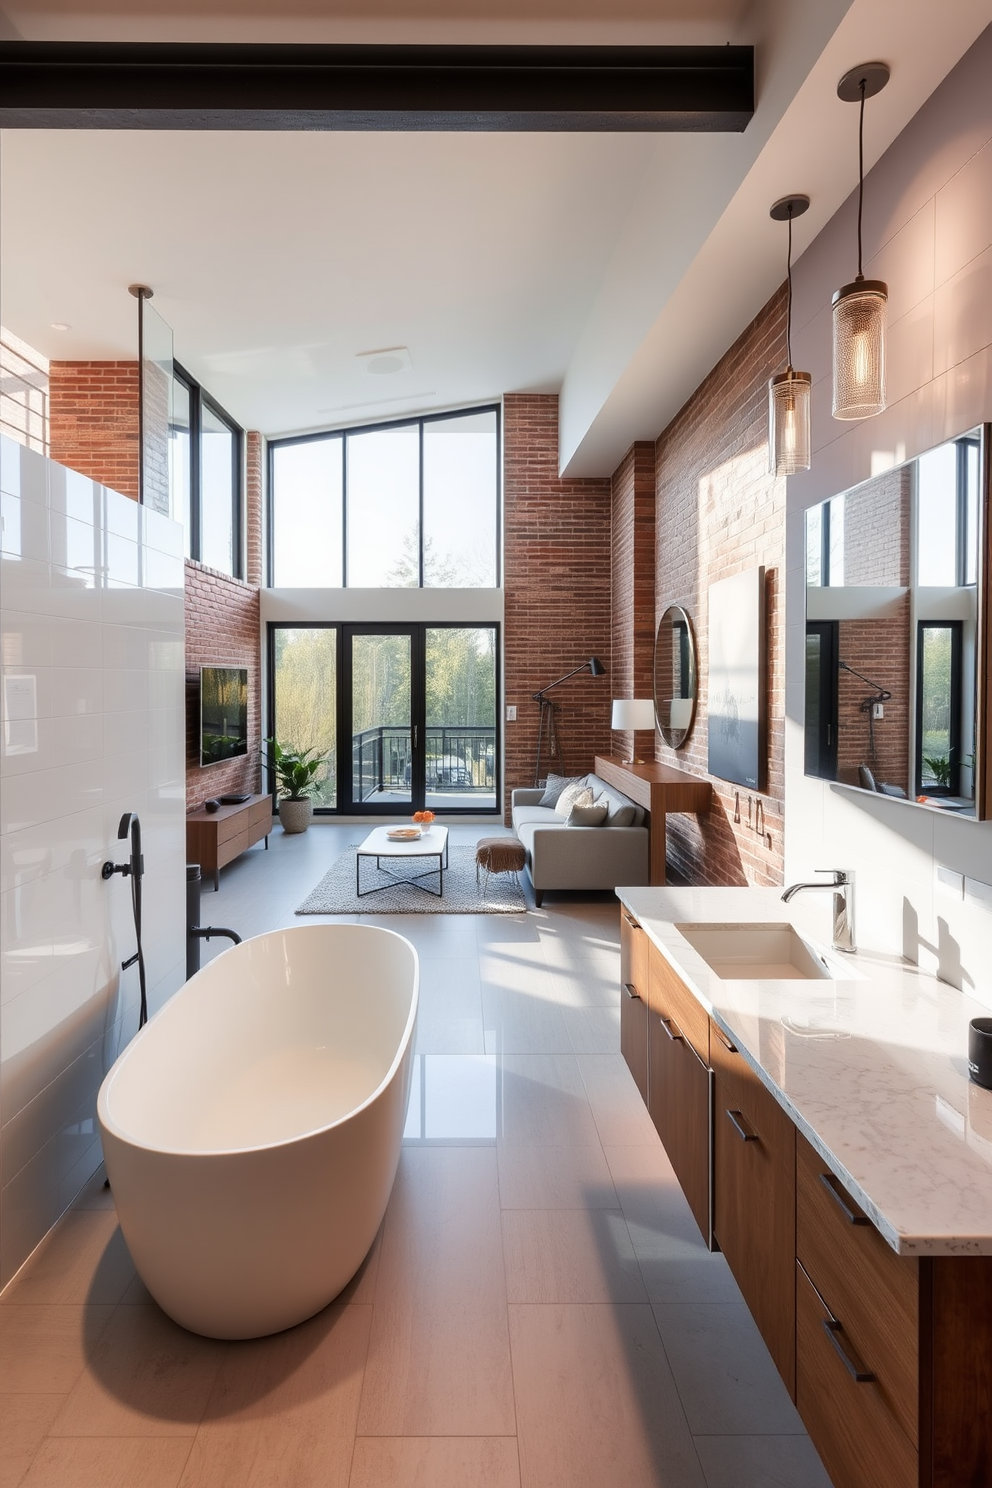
(751, 951)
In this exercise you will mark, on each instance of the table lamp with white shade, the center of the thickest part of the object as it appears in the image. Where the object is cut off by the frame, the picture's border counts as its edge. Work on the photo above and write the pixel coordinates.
(630, 714)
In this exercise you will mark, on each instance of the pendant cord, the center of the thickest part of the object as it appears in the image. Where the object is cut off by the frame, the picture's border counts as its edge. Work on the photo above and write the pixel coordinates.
(861, 168)
(788, 313)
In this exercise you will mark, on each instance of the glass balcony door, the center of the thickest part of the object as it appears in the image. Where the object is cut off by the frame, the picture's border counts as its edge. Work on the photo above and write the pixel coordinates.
(406, 714)
(382, 675)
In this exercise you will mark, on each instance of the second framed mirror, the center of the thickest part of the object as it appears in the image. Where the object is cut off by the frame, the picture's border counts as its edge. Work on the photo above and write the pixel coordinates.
(675, 676)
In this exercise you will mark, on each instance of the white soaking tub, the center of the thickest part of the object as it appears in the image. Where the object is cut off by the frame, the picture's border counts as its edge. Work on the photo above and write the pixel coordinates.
(252, 1130)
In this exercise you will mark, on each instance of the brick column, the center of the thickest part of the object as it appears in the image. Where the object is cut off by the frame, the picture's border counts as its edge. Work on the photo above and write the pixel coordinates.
(93, 421)
(557, 592)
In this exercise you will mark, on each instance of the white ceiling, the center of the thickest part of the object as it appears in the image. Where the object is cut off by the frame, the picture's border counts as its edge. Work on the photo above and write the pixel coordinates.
(616, 268)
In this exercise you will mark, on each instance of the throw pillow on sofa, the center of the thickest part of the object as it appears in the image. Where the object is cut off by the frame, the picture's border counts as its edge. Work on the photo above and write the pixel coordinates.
(617, 815)
(554, 786)
(575, 794)
(593, 815)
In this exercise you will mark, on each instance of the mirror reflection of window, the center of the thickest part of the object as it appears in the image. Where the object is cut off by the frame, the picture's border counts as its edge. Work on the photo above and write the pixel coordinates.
(894, 631)
(825, 544)
(947, 492)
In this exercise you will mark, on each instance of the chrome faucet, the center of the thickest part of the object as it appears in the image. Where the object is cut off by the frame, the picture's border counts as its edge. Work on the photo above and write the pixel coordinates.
(842, 884)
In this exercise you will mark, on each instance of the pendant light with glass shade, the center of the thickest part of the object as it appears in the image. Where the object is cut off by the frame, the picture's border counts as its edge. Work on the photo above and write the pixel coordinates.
(789, 393)
(859, 307)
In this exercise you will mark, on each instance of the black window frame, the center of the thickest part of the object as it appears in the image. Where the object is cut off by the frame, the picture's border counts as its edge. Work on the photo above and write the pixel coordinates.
(955, 627)
(198, 399)
(825, 737)
(419, 420)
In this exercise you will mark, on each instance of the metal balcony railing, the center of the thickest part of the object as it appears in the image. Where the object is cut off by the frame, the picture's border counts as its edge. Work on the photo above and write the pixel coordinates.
(458, 757)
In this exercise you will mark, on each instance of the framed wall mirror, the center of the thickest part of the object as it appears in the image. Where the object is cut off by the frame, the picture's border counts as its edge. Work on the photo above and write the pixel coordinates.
(675, 674)
(897, 662)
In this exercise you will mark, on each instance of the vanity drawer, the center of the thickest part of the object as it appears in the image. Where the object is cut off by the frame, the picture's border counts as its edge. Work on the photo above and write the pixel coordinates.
(670, 998)
(870, 1289)
(849, 1420)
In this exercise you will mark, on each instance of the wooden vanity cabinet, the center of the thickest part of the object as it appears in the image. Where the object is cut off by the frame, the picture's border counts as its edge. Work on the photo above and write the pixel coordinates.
(894, 1353)
(679, 1084)
(634, 1000)
(888, 1357)
(754, 1198)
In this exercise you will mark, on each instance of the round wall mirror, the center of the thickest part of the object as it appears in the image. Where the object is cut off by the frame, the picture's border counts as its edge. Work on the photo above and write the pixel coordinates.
(675, 676)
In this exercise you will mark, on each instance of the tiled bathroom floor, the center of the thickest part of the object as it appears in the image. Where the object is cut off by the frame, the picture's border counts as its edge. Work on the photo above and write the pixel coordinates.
(538, 1311)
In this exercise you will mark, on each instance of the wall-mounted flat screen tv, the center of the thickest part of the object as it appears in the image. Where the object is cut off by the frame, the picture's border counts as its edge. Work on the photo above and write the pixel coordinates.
(223, 713)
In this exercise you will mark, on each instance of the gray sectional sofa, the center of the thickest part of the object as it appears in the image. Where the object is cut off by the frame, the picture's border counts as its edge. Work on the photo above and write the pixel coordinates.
(568, 857)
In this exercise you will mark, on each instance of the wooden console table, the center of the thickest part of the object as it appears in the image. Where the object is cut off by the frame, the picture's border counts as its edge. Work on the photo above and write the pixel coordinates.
(659, 789)
(216, 838)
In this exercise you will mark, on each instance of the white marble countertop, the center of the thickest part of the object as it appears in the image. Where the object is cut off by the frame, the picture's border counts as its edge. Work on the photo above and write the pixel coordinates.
(873, 1071)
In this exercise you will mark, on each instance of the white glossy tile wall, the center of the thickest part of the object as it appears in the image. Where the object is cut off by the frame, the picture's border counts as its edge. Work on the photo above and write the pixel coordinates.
(928, 233)
(91, 725)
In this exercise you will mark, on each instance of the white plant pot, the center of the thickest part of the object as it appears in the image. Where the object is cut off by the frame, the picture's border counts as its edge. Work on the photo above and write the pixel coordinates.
(295, 815)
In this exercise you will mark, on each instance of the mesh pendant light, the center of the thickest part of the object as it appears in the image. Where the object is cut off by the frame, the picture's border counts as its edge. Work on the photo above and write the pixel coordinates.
(789, 393)
(859, 307)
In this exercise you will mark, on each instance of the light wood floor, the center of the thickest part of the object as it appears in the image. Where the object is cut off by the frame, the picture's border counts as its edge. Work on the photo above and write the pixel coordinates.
(538, 1310)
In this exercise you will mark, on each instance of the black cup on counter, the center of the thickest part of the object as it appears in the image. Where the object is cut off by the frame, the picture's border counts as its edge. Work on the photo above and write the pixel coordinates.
(980, 1051)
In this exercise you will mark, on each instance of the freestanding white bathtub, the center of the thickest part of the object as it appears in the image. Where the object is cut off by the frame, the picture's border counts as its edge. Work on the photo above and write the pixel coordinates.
(252, 1130)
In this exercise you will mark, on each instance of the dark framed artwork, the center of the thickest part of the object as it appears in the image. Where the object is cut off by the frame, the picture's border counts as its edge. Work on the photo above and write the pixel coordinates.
(737, 705)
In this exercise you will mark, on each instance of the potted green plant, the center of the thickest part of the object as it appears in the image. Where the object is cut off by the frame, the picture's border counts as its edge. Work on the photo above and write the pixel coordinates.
(296, 772)
(939, 766)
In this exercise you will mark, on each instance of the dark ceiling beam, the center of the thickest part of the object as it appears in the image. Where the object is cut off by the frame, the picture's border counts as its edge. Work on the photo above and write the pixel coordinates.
(94, 85)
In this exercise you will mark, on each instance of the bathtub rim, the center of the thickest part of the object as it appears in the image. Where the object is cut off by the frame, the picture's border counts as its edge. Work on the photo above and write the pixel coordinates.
(108, 1124)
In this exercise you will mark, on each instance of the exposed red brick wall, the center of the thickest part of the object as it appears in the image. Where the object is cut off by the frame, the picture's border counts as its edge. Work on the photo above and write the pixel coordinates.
(719, 512)
(93, 421)
(632, 552)
(222, 629)
(879, 649)
(557, 581)
(254, 467)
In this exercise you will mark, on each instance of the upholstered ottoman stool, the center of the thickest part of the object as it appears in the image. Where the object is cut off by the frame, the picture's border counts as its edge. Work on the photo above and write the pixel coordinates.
(499, 855)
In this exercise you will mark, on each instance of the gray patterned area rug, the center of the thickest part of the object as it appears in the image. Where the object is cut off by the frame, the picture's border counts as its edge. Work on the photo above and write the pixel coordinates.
(335, 894)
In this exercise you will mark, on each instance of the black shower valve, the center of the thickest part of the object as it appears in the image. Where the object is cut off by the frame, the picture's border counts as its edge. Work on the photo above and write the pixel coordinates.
(109, 869)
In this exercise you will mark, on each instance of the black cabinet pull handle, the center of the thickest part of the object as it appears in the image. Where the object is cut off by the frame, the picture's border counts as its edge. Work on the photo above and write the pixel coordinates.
(737, 1121)
(668, 1025)
(837, 1194)
(730, 1048)
(634, 924)
(851, 1362)
(632, 991)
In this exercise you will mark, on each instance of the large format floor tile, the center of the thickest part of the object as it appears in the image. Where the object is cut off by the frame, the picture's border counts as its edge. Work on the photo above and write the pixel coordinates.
(439, 1360)
(569, 1255)
(109, 1462)
(45, 1348)
(596, 1401)
(26, 1421)
(145, 1376)
(725, 1375)
(544, 1101)
(532, 1177)
(435, 1462)
(761, 1462)
(283, 1410)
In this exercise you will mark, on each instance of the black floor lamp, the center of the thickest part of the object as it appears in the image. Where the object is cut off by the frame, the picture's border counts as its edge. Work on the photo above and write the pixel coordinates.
(548, 731)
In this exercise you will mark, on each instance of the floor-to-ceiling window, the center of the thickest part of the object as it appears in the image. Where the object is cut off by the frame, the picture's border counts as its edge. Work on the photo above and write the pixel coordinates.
(405, 708)
(205, 475)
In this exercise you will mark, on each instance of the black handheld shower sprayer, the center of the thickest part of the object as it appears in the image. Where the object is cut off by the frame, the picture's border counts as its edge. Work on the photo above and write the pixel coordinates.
(134, 868)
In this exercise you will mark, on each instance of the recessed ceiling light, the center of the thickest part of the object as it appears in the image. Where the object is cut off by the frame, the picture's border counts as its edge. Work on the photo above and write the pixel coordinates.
(61, 325)
(386, 361)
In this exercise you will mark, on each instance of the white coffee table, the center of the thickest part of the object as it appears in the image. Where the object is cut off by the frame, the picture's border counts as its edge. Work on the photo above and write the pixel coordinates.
(430, 844)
